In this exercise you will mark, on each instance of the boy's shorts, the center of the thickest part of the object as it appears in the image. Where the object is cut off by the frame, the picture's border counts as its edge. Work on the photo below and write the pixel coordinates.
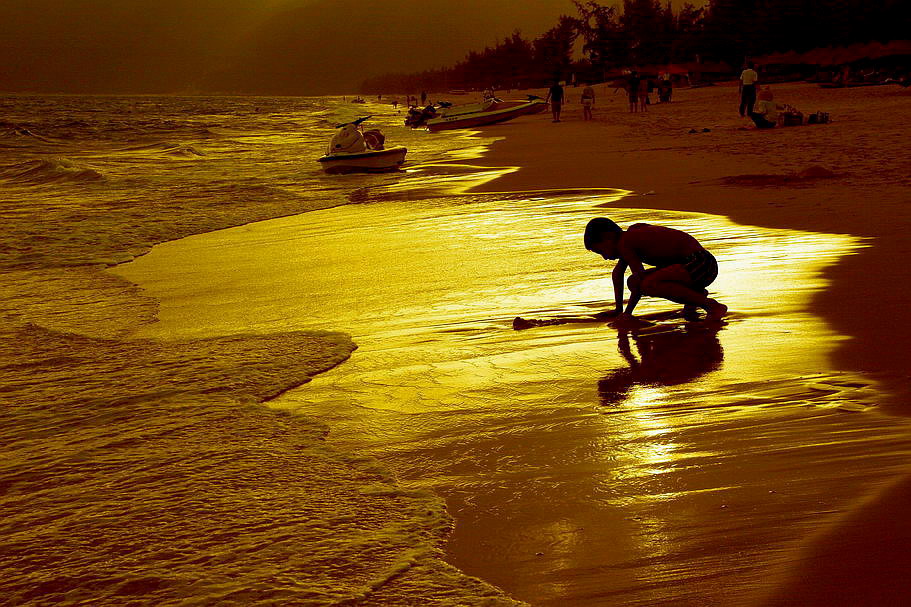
(587, 102)
(702, 267)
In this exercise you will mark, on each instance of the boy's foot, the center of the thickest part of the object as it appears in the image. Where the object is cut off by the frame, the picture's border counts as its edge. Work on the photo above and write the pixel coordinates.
(690, 312)
(715, 311)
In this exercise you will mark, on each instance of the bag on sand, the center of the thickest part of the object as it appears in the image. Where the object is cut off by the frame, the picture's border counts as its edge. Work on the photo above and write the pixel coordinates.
(791, 116)
(818, 118)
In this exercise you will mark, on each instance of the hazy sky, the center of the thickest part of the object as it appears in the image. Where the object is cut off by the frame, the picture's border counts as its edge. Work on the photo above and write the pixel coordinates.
(256, 46)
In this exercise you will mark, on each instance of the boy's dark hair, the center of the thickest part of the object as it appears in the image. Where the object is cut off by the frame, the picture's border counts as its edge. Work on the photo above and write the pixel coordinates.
(596, 230)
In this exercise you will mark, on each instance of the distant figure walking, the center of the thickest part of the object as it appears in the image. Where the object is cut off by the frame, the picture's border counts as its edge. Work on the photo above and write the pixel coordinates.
(643, 94)
(423, 98)
(555, 96)
(748, 80)
(632, 89)
(766, 111)
(588, 101)
(683, 268)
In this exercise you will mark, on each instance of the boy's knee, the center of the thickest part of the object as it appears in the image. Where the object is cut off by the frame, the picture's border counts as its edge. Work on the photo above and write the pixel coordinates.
(645, 284)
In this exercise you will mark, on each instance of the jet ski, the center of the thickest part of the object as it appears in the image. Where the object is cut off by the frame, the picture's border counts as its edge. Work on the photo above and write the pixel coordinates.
(353, 150)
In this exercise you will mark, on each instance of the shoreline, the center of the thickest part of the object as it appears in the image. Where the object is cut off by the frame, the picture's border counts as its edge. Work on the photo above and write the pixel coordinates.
(768, 179)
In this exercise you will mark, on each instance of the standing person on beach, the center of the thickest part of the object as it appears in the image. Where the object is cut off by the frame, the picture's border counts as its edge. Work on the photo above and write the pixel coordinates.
(748, 80)
(683, 268)
(643, 94)
(632, 89)
(588, 101)
(555, 96)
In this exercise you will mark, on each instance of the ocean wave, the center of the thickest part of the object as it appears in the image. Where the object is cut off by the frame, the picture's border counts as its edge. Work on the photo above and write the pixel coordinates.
(167, 149)
(51, 170)
(13, 131)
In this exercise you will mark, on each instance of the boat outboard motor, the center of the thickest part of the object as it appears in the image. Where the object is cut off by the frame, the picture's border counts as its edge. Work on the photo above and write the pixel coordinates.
(374, 139)
(414, 117)
(347, 139)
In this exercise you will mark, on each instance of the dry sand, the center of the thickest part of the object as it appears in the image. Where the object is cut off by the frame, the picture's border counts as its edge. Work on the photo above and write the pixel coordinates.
(770, 178)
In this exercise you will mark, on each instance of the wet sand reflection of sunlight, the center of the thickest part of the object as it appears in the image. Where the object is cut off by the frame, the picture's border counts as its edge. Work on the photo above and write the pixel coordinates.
(634, 463)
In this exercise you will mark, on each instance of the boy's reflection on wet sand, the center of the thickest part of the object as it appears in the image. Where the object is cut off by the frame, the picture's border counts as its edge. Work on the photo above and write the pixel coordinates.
(665, 358)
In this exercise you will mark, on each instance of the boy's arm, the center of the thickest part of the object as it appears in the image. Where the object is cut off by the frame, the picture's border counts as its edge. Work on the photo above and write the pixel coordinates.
(618, 279)
(628, 257)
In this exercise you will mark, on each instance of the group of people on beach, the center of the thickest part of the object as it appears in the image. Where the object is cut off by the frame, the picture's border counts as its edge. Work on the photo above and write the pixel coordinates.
(556, 96)
(757, 104)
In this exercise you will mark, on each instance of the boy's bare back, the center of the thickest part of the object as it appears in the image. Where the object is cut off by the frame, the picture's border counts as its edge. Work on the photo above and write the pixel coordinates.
(656, 244)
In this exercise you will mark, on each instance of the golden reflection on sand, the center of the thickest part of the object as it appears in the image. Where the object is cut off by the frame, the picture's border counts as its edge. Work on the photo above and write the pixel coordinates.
(581, 463)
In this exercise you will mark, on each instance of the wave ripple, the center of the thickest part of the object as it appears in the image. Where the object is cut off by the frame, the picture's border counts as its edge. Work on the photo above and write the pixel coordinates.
(47, 171)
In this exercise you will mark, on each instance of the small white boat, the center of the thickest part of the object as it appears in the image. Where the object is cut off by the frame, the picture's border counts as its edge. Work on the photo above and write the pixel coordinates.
(351, 150)
(490, 111)
(370, 161)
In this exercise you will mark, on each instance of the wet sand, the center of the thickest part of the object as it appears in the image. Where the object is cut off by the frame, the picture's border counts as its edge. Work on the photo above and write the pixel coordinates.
(771, 178)
(584, 465)
(755, 178)
(678, 465)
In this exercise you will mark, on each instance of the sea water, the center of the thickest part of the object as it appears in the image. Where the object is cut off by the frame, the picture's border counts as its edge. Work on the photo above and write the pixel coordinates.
(140, 471)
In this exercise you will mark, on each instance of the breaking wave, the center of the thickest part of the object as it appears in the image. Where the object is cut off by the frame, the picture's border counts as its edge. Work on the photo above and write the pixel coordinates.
(167, 149)
(46, 171)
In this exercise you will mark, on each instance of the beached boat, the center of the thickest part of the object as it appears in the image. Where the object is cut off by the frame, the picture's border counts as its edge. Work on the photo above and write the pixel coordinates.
(370, 161)
(489, 111)
(351, 150)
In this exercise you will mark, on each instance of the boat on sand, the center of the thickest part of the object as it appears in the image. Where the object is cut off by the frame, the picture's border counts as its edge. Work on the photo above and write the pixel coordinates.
(468, 115)
(352, 150)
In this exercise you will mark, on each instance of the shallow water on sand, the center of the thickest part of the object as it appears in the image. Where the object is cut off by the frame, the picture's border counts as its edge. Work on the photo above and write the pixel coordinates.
(146, 472)
(585, 465)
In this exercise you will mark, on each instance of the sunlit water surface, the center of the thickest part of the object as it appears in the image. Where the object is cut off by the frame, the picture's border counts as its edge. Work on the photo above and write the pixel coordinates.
(675, 465)
(144, 472)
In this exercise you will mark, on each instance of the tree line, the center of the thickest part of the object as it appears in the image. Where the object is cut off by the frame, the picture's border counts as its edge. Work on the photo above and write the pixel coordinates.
(645, 32)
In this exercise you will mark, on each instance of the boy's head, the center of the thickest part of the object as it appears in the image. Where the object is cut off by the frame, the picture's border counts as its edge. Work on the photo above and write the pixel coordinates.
(601, 236)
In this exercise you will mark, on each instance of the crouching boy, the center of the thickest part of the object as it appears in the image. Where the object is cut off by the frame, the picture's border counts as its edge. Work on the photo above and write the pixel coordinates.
(682, 268)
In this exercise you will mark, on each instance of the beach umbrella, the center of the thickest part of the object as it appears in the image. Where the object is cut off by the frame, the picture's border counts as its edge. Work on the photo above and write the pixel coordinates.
(898, 47)
(850, 54)
(873, 50)
(820, 56)
(676, 68)
(788, 58)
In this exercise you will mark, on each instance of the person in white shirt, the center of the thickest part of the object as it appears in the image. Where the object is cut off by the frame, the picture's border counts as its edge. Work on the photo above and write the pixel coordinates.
(766, 112)
(748, 80)
(588, 100)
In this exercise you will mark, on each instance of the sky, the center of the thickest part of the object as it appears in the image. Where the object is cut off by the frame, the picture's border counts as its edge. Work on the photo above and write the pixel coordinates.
(245, 46)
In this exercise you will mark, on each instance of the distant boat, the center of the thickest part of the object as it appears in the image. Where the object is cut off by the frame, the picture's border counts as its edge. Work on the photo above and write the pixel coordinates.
(490, 111)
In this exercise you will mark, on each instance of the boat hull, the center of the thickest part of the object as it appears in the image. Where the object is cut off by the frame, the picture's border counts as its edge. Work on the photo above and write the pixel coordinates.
(370, 161)
(500, 112)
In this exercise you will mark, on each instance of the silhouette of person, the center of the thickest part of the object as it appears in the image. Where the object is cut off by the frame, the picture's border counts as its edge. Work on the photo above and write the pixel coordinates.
(666, 358)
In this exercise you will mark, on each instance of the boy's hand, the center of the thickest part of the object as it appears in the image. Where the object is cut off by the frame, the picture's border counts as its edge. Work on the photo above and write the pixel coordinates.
(628, 321)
